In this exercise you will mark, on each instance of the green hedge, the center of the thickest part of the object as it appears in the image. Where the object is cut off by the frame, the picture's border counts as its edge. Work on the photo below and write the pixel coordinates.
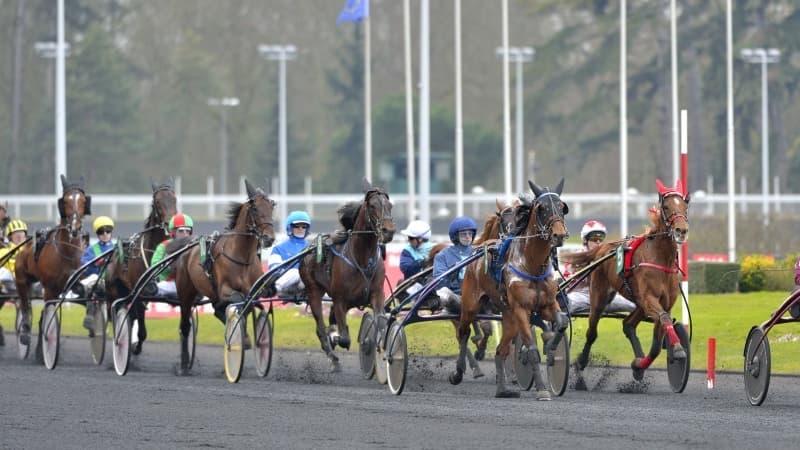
(713, 277)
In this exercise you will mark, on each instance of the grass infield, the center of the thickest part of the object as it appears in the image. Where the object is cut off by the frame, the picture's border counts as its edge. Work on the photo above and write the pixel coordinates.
(728, 318)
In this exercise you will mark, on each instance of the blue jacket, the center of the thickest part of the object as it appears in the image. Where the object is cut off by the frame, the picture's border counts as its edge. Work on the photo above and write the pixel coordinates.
(95, 250)
(411, 258)
(286, 250)
(448, 258)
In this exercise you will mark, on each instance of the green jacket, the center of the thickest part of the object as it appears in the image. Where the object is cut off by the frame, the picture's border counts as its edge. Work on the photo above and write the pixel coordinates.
(161, 251)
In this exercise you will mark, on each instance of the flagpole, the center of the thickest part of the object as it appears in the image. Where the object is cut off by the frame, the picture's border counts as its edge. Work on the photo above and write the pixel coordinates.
(410, 166)
(367, 103)
(424, 112)
(459, 126)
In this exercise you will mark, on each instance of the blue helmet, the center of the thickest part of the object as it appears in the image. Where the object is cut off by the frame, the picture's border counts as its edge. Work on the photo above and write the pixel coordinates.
(461, 223)
(297, 217)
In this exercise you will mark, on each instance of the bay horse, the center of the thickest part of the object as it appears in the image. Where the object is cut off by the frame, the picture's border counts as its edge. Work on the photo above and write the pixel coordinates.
(351, 272)
(649, 278)
(525, 285)
(122, 275)
(59, 255)
(232, 263)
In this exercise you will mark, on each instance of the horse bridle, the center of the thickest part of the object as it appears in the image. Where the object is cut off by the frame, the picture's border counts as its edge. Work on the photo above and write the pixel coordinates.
(669, 220)
(375, 223)
(75, 217)
(253, 227)
(163, 224)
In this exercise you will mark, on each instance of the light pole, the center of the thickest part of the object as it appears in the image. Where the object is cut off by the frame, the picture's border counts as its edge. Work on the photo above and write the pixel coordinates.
(281, 53)
(224, 103)
(763, 56)
(518, 55)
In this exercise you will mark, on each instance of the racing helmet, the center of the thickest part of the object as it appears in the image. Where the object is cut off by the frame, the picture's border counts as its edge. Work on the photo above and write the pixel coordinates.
(16, 225)
(298, 217)
(417, 229)
(102, 221)
(461, 223)
(180, 220)
(593, 228)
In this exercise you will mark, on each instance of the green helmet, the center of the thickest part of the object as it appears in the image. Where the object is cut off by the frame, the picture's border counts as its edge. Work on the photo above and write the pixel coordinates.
(180, 220)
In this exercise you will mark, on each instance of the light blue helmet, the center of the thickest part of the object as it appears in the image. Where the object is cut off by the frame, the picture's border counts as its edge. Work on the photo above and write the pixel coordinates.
(461, 223)
(297, 217)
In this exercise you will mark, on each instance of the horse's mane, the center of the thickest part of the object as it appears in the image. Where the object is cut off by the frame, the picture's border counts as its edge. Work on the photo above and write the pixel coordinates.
(488, 226)
(434, 251)
(348, 214)
(177, 244)
(234, 208)
(152, 219)
(655, 220)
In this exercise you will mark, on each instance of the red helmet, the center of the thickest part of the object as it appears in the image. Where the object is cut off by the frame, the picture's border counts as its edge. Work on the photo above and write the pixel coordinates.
(180, 220)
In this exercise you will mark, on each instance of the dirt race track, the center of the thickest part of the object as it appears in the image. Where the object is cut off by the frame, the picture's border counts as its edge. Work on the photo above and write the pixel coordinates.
(301, 405)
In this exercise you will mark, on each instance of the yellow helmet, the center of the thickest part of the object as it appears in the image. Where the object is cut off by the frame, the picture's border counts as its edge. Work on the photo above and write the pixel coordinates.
(102, 221)
(16, 225)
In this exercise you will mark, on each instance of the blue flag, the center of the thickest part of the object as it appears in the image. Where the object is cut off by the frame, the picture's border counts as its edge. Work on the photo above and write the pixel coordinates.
(353, 11)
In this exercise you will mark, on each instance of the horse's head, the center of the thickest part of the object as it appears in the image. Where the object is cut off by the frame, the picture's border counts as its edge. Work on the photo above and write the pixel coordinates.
(164, 204)
(674, 210)
(73, 205)
(378, 211)
(259, 214)
(548, 211)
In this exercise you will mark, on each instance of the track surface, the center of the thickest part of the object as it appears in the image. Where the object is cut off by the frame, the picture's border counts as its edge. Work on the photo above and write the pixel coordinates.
(301, 405)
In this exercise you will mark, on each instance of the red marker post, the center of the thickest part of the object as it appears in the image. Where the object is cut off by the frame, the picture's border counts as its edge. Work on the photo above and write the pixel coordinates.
(712, 362)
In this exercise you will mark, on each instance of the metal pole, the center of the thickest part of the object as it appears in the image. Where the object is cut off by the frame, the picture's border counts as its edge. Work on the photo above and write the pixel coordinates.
(623, 121)
(764, 140)
(731, 160)
(459, 120)
(674, 58)
(61, 110)
(367, 103)
(282, 171)
(506, 113)
(424, 113)
(410, 162)
(223, 151)
(519, 126)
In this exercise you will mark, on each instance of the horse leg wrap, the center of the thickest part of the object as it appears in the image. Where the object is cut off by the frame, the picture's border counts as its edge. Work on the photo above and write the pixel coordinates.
(673, 337)
(532, 356)
(645, 362)
(219, 311)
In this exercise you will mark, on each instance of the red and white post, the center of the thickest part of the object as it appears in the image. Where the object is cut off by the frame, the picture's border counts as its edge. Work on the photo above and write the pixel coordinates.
(684, 250)
(711, 365)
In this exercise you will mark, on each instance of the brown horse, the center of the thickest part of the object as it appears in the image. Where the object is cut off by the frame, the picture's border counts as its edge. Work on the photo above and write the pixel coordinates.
(121, 276)
(649, 278)
(526, 285)
(351, 272)
(232, 264)
(58, 256)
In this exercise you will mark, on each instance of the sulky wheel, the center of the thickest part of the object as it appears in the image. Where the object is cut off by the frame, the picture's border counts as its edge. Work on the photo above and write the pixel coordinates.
(22, 349)
(558, 367)
(757, 361)
(51, 330)
(192, 338)
(233, 348)
(678, 369)
(97, 342)
(263, 342)
(523, 370)
(379, 337)
(366, 345)
(121, 348)
(396, 358)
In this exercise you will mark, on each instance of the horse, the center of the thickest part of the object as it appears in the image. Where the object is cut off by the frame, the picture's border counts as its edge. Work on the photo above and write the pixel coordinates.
(649, 278)
(525, 285)
(121, 276)
(232, 263)
(60, 254)
(4, 219)
(352, 271)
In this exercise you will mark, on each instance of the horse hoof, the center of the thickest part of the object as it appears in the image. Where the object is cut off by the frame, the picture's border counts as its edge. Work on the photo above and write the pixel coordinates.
(336, 367)
(455, 378)
(136, 348)
(480, 354)
(580, 384)
(543, 395)
(182, 371)
(505, 393)
(25, 338)
(638, 372)
(477, 372)
(678, 352)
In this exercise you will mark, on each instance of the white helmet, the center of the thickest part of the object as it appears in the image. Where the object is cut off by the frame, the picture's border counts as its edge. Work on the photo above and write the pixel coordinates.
(593, 227)
(418, 229)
